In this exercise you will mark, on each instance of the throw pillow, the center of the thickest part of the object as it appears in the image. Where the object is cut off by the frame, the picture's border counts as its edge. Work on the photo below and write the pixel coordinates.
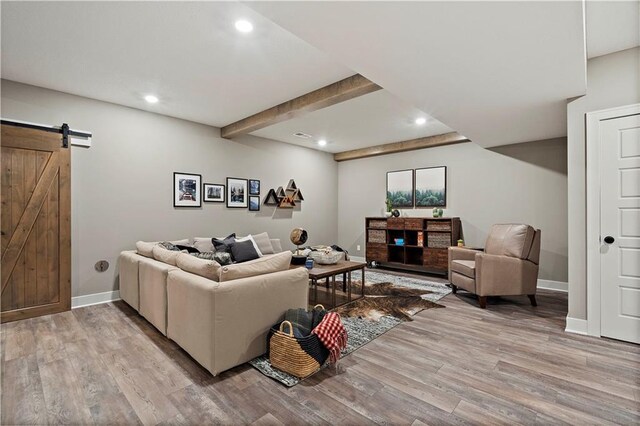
(264, 265)
(263, 242)
(253, 242)
(224, 244)
(188, 249)
(221, 257)
(203, 244)
(145, 248)
(277, 247)
(169, 246)
(243, 251)
(205, 268)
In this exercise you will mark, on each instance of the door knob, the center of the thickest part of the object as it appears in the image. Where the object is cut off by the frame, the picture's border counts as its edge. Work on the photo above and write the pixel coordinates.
(609, 239)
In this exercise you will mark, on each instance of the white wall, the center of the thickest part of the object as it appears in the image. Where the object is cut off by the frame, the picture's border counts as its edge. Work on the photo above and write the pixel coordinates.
(612, 80)
(523, 183)
(122, 186)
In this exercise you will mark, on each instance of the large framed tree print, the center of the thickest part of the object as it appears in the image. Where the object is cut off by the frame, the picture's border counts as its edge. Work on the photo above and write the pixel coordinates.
(431, 187)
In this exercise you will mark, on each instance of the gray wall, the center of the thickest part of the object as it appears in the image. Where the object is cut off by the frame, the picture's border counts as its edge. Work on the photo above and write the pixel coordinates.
(516, 183)
(122, 186)
(612, 80)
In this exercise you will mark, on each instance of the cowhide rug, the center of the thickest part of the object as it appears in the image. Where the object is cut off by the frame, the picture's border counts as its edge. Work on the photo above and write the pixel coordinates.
(385, 299)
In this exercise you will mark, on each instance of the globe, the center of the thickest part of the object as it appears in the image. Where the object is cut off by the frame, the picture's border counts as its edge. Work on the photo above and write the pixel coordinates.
(298, 236)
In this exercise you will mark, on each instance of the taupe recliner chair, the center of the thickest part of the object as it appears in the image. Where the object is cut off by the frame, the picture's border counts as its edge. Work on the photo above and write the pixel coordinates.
(507, 267)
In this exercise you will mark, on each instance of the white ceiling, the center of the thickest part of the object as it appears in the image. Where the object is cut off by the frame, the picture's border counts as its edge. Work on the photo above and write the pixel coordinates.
(612, 26)
(187, 53)
(497, 72)
(373, 119)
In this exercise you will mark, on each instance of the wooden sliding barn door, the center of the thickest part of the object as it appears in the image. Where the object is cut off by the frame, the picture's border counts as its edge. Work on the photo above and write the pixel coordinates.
(36, 224)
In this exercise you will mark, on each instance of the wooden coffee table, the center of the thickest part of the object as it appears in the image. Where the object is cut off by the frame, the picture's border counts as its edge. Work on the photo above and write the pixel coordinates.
(329, 273)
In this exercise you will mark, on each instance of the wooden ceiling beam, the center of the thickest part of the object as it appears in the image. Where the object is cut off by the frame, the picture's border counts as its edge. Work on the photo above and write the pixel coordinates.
(340, 91)
(402, 146)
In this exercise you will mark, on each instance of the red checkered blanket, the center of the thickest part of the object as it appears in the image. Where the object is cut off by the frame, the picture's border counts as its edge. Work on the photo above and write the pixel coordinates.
(332, 334)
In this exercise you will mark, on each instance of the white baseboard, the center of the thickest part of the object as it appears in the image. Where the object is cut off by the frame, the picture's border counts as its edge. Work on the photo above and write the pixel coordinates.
(577, 326)
(553, 285)
(94, 299)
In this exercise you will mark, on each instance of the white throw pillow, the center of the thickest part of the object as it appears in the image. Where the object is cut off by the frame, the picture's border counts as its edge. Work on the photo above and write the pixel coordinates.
(250, 238)
(263, 242)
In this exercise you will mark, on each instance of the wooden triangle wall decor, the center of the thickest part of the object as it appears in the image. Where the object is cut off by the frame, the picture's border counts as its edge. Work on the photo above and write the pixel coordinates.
(287, 202)
(297, 196)
(284, 198)
(271, 199)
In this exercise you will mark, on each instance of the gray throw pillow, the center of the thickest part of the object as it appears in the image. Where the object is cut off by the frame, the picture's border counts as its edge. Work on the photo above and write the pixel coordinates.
(263, 242)
(244, 251)
(224, 244)
(222, 257)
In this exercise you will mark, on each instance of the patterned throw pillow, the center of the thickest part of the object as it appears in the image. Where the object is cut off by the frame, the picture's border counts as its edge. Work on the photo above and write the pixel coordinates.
(169, 246)
(222, 257)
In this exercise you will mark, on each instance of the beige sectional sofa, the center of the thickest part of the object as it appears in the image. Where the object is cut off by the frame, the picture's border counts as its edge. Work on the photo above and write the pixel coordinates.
(220, 315)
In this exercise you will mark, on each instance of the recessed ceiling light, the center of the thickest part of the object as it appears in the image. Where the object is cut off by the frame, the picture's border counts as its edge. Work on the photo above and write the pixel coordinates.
(151, 99)
(322, 142)
(420, 121)
(244, 26)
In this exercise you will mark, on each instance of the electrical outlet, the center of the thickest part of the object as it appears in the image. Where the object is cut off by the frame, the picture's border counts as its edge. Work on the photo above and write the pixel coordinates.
(358, 247)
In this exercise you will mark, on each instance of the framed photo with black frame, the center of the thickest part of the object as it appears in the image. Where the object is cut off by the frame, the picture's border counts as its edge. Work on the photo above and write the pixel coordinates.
(237, 189)
(254, 203)
(400, 188)
(213, 193)
(431, 187)
(254, 187)
(187, 190)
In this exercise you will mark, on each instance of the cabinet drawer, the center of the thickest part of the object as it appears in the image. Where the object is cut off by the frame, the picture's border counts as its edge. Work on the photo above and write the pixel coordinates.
(413, 224)
(436, 259)
(377, 252)
(395, 223)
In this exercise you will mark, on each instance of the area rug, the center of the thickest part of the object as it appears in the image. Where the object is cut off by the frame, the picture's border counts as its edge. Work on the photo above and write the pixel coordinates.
(401, 296)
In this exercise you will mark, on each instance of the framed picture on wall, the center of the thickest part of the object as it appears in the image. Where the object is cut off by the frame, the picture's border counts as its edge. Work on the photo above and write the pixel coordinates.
(237, 193)
(400, 188)
(254, 203)
(186, 190)
(213, 193)
(431, 187)
(254, 187)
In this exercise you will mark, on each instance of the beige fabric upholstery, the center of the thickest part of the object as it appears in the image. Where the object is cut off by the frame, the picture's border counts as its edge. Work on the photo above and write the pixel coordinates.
(205, 268)
(509, 265)
(153, 291)
(264, 265)
(203, 244)
(128, 278)
(277, 247)
(145, 248)
(263, 242)
(161, 254)
(510, 240)
(222, 325)
(464, 267)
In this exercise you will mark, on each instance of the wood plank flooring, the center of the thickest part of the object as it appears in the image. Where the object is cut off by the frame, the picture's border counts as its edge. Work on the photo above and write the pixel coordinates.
(508, 364)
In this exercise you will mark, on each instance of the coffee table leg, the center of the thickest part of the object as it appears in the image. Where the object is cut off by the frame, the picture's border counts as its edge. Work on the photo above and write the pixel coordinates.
(344, 282)
(349, 286)
(314, 283)
(362, 281)
(333, 282)
(327, 283)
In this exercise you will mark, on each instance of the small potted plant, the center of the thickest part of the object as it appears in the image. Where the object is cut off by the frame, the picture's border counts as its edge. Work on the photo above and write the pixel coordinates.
(389, 208)
(460, 243)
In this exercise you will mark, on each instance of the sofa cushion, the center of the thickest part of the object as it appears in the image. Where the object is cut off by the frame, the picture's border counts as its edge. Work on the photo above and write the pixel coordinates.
(203, 244)
(263, 242)
(145, 248)
(161, 254)
(464, 267)
(264, 265)
(277, 247)
(222, 257)
(513, 240)
(205, 268)
(243, 251)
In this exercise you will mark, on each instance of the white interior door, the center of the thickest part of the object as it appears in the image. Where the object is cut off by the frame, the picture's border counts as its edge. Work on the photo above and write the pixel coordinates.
(620, 228)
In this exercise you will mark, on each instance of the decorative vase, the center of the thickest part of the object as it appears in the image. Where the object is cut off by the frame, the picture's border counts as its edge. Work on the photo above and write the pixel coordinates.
(387, 214)
(460, 243)
(435, 212)
(440, 212)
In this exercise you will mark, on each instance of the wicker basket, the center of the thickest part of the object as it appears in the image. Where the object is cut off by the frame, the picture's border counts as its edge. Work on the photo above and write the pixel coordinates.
(438, 226)
(323, 258)
(298, 356)
(378, 223)
(377, 236)
(438, 240)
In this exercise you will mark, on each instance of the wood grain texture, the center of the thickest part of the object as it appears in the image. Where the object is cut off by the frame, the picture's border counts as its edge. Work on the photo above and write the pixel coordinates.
(402, 146)
(340, 91)
(509, 364)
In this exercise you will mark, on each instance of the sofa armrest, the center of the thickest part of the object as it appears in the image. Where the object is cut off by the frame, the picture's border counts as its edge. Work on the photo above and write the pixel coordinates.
(504, 275)
(460, 253)
(222, 325)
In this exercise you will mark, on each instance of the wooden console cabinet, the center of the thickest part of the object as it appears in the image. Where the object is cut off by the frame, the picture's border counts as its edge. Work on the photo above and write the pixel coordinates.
(425, 242)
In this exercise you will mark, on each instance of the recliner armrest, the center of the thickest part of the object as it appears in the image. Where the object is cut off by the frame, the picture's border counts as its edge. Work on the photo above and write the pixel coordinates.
(460, 253)
(504, 275)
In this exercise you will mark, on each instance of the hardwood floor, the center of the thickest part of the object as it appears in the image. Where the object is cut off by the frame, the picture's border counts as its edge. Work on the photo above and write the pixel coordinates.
(508, 364)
